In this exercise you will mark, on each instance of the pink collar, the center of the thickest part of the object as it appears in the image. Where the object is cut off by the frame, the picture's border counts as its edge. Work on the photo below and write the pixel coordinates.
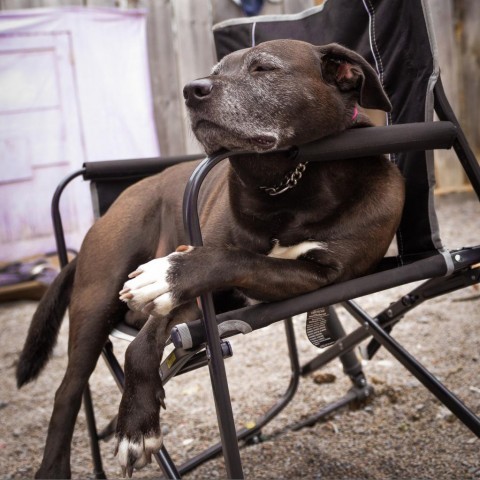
(355, 114)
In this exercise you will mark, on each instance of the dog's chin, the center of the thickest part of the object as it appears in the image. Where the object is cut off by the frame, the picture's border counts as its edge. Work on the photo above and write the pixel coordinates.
(214, 138)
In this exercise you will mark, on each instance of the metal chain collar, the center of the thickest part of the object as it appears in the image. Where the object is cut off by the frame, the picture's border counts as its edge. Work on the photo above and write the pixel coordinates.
(291, 179)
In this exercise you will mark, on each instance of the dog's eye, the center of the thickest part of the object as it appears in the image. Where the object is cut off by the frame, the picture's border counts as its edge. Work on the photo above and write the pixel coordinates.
(261, 68)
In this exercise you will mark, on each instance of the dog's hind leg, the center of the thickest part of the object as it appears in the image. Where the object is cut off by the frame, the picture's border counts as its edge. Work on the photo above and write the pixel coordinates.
(88, 333)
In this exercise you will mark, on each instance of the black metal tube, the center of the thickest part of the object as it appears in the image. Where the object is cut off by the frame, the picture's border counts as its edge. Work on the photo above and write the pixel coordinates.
(113, 365)
(364, 142)
(261, 315)
(63, 260)
(166, 464)
(93, 434)
(269, 415)
(351, 364)
(228, 434)
(139, 167)
(57, 218)
(453, 403)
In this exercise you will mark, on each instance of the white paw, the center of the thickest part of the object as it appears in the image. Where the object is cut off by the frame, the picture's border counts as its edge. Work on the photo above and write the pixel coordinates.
(149, 287)
(136, 455)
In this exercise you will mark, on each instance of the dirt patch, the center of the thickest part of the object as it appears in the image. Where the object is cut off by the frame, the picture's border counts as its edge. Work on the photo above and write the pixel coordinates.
(403, 432)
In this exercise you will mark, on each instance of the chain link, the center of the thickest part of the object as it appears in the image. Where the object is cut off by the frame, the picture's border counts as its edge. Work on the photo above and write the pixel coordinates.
(291, 179)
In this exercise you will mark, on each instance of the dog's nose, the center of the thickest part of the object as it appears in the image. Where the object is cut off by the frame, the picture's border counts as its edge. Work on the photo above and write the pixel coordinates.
(197, 90)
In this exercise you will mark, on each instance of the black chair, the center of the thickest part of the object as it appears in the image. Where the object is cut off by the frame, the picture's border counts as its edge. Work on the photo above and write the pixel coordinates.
(404, 54)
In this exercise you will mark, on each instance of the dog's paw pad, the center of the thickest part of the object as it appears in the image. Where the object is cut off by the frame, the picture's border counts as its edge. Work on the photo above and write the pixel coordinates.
(136, 454)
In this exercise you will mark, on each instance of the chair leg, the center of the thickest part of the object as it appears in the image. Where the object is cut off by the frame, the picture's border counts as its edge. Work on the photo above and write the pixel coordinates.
(351, 366)
(166, 464)
(92, 432)
(453, 403)
(248, 433)
(221, 394)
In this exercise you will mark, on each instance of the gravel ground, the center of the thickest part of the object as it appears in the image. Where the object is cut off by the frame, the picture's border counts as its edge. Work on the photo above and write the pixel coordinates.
(402, 433)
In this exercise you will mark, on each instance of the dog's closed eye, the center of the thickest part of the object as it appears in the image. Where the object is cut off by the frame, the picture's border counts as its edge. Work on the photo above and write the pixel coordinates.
(261, 68)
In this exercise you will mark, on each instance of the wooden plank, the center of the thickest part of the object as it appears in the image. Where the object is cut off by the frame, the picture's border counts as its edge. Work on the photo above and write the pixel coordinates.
(224, 10)
(194, 49)
(295, 6)
(448, 171)
(19, 4)
(102, 3)
(273, 7)
(468, 37)
(166, 96)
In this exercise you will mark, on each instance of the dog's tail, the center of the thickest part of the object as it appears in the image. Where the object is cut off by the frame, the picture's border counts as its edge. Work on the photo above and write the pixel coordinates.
(46, 322)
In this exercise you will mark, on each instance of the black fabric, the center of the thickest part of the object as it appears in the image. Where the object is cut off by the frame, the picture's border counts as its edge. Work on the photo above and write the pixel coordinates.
(404, 60)
(108, 179)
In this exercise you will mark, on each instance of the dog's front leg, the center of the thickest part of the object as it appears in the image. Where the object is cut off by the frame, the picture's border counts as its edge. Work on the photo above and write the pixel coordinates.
(164, 283)
(138, 427)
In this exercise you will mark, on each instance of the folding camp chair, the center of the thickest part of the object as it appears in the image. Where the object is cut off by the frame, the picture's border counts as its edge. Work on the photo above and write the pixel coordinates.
(404, 55)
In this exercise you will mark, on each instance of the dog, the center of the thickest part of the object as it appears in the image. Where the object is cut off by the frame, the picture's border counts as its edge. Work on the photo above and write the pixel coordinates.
(273, 228)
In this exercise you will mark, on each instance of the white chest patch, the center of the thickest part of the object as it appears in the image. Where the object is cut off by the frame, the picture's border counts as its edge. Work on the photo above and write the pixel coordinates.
(295, 251)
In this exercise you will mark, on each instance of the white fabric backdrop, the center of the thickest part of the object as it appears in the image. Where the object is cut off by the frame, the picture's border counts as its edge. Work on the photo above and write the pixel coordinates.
(74, 87)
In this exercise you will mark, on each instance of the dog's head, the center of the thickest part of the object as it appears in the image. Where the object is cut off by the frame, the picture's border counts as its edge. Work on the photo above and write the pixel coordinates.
(280, 93)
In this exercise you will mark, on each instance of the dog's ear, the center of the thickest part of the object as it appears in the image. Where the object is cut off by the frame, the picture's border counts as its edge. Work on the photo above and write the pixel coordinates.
(349, 71)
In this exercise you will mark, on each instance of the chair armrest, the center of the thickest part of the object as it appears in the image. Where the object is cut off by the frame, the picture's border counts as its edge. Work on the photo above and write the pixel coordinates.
(363, 142)
(141, 167)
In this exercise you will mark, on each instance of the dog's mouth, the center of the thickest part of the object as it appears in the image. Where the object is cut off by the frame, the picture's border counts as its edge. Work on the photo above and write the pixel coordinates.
(214, 136)
(265, 141)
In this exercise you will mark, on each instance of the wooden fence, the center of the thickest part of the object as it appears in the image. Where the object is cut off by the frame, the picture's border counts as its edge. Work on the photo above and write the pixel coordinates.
(181, 48)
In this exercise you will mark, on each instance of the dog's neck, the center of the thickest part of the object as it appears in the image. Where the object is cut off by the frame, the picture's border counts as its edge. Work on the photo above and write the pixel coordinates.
(256, 173)
(263, 172)
(273, 174)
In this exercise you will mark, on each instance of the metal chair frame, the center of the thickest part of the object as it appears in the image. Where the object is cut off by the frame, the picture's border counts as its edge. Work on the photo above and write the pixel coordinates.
(443, 273)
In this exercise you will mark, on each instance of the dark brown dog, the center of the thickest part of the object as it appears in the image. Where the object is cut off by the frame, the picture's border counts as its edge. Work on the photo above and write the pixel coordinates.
(335, 223)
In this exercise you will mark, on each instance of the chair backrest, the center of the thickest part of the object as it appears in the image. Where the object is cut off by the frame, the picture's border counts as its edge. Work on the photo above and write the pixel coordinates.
(108, 179)
(405, 60)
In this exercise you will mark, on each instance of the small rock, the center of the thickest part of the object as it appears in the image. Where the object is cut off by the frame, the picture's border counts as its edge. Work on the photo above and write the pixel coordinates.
(445, 414)
(403, 427)
(323, 377)
(475, 471)
(165, 429)
(375, 380)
